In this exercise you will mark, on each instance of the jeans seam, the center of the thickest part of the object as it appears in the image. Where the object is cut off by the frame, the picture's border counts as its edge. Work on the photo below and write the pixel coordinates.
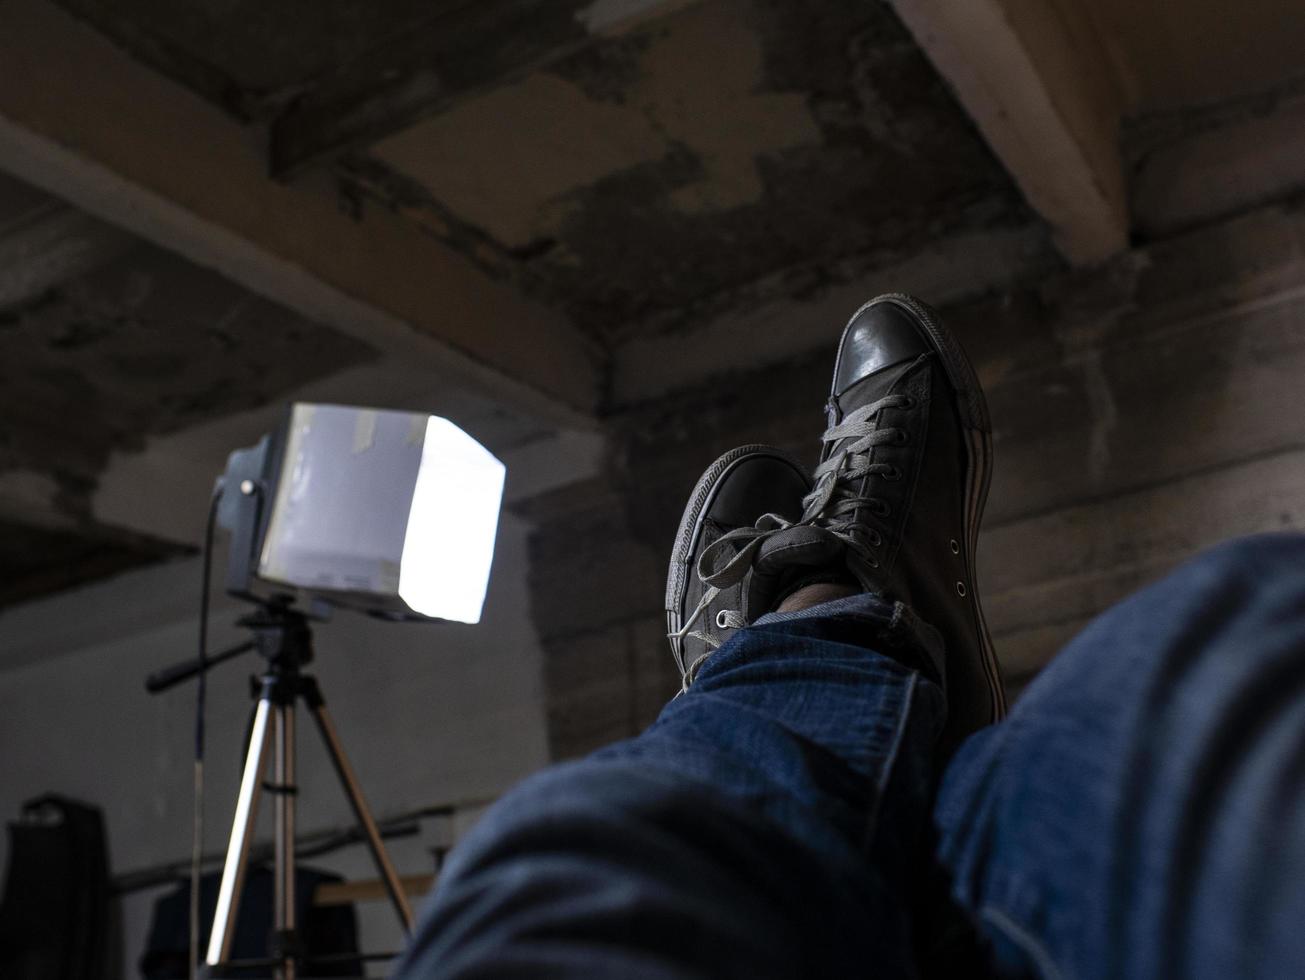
(1025, 940)
(890, 758)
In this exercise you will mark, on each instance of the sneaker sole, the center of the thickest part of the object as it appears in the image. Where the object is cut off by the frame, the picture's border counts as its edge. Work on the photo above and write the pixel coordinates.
(690, 530)
(975, 420)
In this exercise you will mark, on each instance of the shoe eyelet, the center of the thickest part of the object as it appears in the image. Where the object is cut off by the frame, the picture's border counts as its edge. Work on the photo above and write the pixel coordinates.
(893, 474)
(720, 620)
(956, 548)
(908, 401)
(875, 538)
(901, 438)
(960, 589)
(872, 562)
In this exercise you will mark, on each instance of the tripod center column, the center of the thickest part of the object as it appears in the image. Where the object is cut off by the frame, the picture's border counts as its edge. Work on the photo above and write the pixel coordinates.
(285, 943)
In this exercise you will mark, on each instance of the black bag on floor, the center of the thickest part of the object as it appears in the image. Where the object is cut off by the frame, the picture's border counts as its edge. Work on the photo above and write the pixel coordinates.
(54, 917)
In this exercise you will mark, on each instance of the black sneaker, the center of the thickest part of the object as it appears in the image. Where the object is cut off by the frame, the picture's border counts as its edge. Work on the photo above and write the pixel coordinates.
(899, 493)
(903, 478)
(747, 493)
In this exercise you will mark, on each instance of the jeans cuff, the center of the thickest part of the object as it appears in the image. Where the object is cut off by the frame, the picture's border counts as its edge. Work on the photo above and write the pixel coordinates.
(891, 623)
(868, 604)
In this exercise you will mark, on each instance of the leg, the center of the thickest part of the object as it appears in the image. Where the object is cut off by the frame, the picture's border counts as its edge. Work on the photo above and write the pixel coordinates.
(766, 825)
(283, 904)
(242, 833)
(1142, 811)
(773, 822)
(362, 813)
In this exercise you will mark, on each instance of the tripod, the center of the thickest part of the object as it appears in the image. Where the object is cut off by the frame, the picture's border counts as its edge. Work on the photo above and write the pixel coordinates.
(283, 637)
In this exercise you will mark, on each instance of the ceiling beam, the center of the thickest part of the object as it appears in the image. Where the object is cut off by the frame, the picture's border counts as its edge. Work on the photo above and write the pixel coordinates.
(455, 54)
(1036, 82)
(48, 244)
(83, 121)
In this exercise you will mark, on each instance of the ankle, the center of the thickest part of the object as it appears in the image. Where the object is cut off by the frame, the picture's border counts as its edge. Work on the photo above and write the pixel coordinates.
(815, 594)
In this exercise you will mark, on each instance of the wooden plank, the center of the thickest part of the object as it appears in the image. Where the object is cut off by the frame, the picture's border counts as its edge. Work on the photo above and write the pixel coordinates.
(1141, 414)
(1205, 172)
(1161, 413)
(147, 155)
(369, 890)
(1035, 81)
(1188, 356)
(947, 270)
(1045, 577)
(1131, 415)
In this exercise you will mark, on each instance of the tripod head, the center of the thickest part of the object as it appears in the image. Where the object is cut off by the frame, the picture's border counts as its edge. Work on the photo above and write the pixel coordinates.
(282, 635)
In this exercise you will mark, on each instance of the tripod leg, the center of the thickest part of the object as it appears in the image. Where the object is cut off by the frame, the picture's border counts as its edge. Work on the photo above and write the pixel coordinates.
(388, 875)
(242, 831)
(284, 888)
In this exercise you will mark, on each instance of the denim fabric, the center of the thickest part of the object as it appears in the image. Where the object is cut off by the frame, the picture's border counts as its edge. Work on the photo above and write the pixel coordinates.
(1140, 814)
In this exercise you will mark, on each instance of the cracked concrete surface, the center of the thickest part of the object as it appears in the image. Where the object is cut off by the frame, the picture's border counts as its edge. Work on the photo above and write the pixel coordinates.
(678, 161)
(730, 153)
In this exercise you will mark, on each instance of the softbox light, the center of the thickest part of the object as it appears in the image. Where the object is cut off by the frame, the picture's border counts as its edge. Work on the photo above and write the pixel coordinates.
(392, 513)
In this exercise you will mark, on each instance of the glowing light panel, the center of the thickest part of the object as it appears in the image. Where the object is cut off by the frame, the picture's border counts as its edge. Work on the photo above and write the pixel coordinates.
(448, 546)
(384, 511)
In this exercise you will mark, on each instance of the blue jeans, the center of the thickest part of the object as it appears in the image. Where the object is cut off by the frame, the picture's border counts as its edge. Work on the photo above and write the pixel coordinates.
(1140, 813)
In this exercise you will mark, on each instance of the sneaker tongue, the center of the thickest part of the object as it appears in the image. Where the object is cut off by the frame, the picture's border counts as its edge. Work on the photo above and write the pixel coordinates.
(801, 554)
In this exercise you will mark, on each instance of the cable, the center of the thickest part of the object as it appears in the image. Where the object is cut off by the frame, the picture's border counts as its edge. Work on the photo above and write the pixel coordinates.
(201, 690)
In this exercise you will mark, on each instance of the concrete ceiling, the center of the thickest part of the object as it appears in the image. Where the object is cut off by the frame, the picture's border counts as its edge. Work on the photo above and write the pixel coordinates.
(725, 154)
(722, 153)
(554, 203)
(250, 55)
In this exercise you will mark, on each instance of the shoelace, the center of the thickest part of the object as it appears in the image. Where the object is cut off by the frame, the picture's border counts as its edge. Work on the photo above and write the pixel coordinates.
(747, 541)
(831, 507)
(836, 500)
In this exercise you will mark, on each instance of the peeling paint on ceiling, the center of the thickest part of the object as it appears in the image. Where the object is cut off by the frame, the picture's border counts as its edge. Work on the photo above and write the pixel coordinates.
(505, 161)
(511, 161)
(639, 166)
(731, 153)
